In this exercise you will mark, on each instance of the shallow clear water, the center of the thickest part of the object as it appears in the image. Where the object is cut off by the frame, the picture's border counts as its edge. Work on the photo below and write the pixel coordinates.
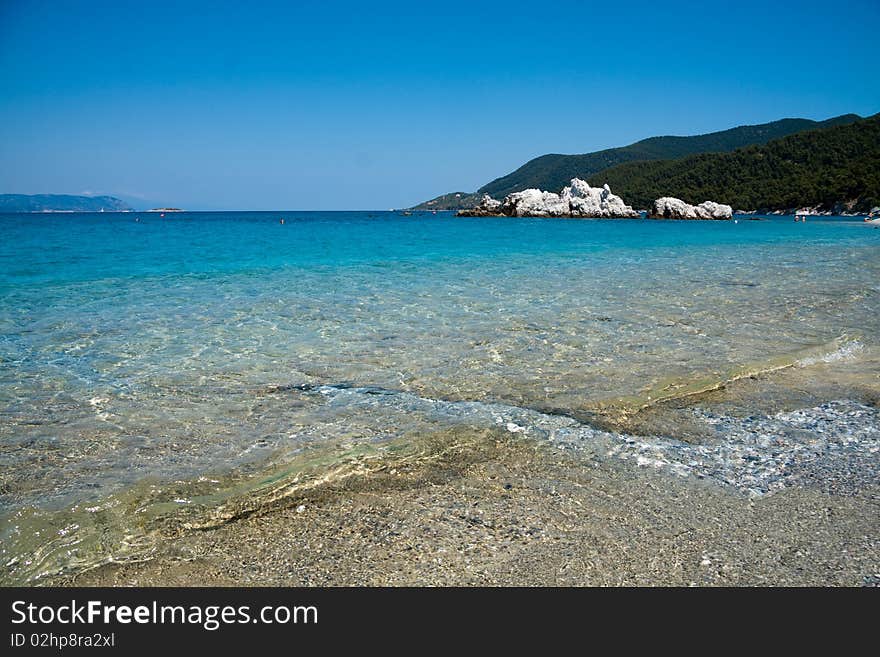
(169, 347)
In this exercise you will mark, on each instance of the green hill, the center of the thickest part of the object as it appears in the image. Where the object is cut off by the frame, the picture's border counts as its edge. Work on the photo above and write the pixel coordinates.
(553, 172)
(451, 201)
(830, 166)
(60, 203)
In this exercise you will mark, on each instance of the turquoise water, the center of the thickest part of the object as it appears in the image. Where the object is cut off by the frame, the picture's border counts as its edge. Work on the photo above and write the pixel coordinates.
(173, 347)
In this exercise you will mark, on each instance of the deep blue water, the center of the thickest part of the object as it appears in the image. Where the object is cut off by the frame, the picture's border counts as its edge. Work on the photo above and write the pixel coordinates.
(59, 248)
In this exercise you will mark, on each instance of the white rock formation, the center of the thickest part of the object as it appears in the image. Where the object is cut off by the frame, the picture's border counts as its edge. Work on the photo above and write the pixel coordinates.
(673, 208)
(586, 201)
(576, 200)
(534, 203)
(490, 203)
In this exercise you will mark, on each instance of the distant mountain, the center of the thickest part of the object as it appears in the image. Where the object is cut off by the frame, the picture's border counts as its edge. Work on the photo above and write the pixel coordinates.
(553, 172)
(451, 201)
(832, 168)
(60, 203)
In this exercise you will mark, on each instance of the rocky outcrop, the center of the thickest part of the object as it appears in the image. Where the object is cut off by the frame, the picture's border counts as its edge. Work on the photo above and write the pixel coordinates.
(534, 203)
(576, 200)
(487, 207)
(673, 208)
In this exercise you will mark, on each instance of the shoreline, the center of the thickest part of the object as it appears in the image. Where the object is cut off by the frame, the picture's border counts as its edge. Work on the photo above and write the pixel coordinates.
(499, 510)
(495, 507)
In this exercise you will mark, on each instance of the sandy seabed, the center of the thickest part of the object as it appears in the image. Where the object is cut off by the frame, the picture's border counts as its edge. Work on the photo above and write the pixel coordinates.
(492, 509)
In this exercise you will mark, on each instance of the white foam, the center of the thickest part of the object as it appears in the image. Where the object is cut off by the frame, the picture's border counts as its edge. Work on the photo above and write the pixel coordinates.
(845, 353)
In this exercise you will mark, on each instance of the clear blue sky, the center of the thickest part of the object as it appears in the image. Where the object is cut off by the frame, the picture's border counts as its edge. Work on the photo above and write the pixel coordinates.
(337, 105)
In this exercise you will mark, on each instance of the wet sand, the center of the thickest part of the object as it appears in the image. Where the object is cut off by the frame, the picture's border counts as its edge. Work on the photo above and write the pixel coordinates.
(492, 508)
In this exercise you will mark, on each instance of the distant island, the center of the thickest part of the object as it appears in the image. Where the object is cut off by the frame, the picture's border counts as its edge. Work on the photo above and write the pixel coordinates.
(61, 203)
(639, 172)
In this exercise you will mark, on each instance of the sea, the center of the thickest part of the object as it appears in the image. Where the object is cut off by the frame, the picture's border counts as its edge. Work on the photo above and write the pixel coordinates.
(158, 366)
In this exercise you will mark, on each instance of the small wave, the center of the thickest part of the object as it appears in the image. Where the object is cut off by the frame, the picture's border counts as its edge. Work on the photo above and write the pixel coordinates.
(840, 349)
(845, 353)
(756, 455)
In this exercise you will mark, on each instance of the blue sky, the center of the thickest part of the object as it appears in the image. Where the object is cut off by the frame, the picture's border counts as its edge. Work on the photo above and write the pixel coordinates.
(346, 105)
